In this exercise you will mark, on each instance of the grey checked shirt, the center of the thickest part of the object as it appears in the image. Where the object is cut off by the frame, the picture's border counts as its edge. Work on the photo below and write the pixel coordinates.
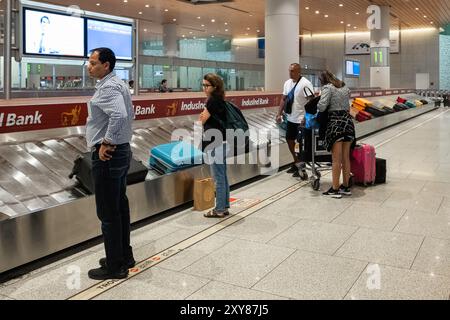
(335, 99)
(110, 112)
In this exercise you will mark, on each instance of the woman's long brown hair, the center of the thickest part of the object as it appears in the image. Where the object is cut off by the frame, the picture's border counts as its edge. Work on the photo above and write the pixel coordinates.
(327, 77)
(217, 83)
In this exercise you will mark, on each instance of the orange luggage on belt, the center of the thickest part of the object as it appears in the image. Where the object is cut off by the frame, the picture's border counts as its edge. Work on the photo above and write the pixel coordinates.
(362, 102)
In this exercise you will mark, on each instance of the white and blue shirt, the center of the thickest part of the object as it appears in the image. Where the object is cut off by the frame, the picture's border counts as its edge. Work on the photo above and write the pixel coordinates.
(110, 112)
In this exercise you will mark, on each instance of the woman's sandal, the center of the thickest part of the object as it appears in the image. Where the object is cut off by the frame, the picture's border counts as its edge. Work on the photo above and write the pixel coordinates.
(215, 214)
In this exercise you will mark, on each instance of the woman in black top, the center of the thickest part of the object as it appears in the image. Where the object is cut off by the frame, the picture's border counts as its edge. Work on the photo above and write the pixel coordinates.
(214, 142)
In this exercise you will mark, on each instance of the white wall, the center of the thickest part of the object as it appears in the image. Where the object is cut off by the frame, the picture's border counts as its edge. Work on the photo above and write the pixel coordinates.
(419, 53)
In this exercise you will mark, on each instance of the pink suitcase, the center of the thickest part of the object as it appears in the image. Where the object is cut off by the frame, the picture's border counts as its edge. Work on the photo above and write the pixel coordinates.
(362, 162)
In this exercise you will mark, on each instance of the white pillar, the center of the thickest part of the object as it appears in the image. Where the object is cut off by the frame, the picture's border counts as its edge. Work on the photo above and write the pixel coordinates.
(281, 41)
(380, 70)
(170, 40)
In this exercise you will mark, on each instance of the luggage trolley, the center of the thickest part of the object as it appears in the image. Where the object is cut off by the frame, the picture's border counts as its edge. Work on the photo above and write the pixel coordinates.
(314, 154)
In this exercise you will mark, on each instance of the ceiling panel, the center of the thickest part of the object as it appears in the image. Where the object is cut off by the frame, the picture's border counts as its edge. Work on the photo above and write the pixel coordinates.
(242, 18)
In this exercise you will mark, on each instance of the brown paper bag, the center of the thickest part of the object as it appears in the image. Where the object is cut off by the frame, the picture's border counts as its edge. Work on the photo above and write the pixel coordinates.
(204, 197)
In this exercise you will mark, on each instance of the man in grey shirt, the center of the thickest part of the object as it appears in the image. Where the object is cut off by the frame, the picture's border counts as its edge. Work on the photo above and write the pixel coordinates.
(108, 133)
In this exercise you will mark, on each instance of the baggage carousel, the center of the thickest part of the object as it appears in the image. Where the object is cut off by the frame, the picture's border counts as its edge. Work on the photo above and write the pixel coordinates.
(42, 211)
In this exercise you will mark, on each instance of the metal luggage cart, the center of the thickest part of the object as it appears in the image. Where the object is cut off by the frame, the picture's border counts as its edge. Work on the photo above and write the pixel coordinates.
(314, 155)
(317, 150)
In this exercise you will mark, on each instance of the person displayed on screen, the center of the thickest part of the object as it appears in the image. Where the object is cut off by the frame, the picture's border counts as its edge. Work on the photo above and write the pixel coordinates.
(44, 44)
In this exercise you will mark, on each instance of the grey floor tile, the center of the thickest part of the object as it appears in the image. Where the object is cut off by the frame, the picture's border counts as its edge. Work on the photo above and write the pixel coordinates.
(438, 188)
(314, 236)
(259, 227)
(425, 223)
(216, 290)
(154, 247)
(156, 284)
(422, 201)
(60, 283)
(192, 220)
(322, 209)
(399, 284)
(239, 262)
(372, 195)
(307, 275)
(371, 216)
(408, 186)
(187, 257)
(389, 248)
(146, 235)
(434, 257)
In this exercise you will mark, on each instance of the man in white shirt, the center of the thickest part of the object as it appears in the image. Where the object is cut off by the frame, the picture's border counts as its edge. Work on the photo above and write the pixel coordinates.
(304, 90)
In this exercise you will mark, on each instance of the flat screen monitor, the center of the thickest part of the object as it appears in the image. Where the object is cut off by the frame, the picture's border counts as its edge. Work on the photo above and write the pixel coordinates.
(116, 36)
(352, 68)
(52, 34)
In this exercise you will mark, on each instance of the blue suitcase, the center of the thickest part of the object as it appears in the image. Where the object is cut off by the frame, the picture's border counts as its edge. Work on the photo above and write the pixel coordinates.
(174, 156)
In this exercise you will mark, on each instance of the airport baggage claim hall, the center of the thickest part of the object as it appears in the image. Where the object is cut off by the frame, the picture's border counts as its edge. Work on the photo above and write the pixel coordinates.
(385, 234)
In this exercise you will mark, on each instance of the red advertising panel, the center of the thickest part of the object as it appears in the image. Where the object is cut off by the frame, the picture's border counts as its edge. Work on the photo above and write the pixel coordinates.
(29, 117)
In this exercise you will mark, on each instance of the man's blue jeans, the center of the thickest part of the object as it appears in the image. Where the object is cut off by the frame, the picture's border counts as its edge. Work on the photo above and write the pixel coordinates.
(110, 179)
(219, 173)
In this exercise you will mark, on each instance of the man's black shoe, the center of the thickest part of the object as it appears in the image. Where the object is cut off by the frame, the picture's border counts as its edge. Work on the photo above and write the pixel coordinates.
(104, 274)
(129, 265)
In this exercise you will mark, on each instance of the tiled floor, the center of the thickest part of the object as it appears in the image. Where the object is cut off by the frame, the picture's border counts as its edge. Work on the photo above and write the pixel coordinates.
(389, 241)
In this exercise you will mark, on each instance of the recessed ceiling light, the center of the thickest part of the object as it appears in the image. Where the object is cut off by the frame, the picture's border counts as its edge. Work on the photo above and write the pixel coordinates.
(226, 30)
(194, 37)
(125, 1)
(342, 22)
(355, 27)
(248, 28)
(213, 20)
(174, 19)
(250, 15)
(417, 9)
(424, 16)
(198, 17)
(98, 4)
(326, 16)
(258, 30)
(357, 13)
(203, 25)
(431, 22)
(307, 8)
(183, 36)
(341, 5)
(317, 12)
(166, 10)
(226, 23)
(349, 25)
(147, 6)
(145, 30)
(212, 36)
(140, 12)
(190, 32)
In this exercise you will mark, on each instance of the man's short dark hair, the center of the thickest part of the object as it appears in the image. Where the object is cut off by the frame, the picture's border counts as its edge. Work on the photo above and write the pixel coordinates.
(106, 55)
(45, 17)
(163, 81)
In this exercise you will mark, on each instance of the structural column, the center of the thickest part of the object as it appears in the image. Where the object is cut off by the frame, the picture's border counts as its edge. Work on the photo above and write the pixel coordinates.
(170, 40)
(380, 70)
(281, 41)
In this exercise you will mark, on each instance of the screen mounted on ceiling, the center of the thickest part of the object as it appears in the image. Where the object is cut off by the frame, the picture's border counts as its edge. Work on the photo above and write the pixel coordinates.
(116, 36)
(52, 34)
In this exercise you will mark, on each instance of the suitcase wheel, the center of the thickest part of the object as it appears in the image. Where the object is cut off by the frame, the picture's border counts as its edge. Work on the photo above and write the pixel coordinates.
(315, 184)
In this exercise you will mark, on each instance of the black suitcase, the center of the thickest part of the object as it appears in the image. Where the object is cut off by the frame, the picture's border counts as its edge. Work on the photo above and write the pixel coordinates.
(376, 112)
(82, 169)
(304, 137)
(388, 110)
(424, 101)
(380, 170)
(400, 107)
